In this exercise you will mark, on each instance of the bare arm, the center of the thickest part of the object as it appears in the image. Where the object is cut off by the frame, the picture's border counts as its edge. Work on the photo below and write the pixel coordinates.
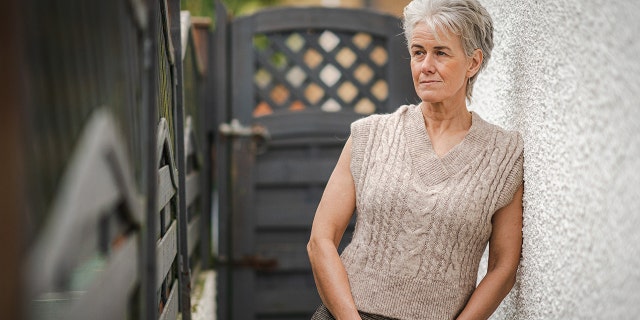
(331, 219)
(505, 246)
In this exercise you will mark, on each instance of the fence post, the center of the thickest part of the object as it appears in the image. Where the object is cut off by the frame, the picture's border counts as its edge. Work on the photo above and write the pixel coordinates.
(149, 303)
(178, 80)
(11, 188)
(207, 133)
(220, 78)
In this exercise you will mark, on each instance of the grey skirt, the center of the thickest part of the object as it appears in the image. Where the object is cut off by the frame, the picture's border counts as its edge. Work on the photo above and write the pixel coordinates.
(322, 313)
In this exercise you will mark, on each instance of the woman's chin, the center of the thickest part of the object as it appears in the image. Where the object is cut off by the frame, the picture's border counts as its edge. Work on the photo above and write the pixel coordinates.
(431, 99)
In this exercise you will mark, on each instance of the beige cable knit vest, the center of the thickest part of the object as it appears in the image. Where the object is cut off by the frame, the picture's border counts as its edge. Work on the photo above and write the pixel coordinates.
(423, 221)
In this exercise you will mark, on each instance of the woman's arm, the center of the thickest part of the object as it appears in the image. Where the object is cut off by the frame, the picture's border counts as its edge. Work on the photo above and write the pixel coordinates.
(331, 219)
(505, 246)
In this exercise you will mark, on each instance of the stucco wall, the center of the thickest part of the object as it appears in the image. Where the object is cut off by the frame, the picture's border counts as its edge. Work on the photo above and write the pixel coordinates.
(566, 74)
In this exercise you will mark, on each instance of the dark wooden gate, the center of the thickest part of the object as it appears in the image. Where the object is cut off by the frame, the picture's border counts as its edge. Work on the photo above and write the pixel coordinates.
(298, 77)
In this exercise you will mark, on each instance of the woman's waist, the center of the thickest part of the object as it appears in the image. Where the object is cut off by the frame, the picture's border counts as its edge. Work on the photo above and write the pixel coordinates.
(408, 297)
(420, 258)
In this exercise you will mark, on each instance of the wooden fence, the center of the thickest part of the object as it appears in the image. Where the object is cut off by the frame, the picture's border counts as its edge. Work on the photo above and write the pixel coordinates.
(117, 150)
(119, 141)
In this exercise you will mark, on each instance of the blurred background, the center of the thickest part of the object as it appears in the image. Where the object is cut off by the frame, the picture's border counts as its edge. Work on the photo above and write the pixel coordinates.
(241, 7)
(165, 158)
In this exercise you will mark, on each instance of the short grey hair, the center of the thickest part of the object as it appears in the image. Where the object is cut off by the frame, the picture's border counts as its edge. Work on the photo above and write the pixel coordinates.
(466, 18)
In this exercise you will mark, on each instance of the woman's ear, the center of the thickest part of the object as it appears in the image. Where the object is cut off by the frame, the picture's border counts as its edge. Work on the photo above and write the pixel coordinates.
(475, 61)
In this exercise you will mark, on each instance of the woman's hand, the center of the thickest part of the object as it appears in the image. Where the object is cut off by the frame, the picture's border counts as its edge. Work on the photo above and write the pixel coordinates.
(331, 219)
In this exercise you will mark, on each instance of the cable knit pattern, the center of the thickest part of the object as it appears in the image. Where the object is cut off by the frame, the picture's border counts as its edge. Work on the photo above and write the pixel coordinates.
(423, 221)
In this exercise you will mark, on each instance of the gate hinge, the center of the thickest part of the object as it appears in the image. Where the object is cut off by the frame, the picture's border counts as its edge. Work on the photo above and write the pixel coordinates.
(252, 262)
(256, 262)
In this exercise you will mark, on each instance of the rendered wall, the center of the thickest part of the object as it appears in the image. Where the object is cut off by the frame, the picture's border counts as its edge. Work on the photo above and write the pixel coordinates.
(566, 74)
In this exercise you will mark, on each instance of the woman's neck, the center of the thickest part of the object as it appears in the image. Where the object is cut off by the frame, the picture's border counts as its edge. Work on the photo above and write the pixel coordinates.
(441, 119)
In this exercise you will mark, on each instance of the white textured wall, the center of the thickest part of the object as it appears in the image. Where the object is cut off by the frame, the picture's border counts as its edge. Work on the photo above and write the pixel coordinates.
(566, 73)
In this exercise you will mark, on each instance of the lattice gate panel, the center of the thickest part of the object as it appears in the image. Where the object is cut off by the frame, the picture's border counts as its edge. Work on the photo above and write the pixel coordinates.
(319, 69)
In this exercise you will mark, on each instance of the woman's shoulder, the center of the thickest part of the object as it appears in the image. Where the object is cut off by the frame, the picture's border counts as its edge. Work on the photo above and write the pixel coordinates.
(502, 136)
(510, 136)
(384, 117)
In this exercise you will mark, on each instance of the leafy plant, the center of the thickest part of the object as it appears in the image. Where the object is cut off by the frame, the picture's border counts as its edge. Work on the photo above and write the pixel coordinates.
(206, 8)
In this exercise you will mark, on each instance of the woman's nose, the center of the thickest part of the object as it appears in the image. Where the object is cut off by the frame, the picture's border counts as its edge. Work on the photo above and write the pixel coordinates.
(428, 64)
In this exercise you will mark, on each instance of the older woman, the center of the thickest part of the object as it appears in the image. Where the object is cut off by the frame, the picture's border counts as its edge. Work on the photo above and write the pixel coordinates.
(432, 184)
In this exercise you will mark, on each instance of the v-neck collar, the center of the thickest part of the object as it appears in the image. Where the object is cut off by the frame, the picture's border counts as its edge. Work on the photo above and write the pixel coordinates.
(432, 168)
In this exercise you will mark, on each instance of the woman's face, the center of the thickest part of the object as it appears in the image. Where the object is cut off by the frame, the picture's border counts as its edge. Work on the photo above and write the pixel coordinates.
(440, 69)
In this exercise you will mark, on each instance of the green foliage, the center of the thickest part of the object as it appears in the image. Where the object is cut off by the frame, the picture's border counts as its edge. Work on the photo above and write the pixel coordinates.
(202, 8)
(277, 59)
(206, 8)
(239, 7)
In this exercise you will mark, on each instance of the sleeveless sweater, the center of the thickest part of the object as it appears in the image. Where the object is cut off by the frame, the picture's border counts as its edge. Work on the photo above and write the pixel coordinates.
(423, 221)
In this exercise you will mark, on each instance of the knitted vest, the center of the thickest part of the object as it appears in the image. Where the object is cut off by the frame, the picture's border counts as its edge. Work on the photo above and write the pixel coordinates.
(423, 221)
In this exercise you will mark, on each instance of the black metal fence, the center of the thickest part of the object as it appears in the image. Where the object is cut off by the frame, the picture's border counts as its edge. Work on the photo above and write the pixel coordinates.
(118, 158)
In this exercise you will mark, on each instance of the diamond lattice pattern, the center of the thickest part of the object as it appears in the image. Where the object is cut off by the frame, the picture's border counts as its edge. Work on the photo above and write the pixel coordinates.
(319, 69)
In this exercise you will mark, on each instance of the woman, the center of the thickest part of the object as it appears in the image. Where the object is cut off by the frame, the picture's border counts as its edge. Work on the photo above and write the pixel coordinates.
(432, 184)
